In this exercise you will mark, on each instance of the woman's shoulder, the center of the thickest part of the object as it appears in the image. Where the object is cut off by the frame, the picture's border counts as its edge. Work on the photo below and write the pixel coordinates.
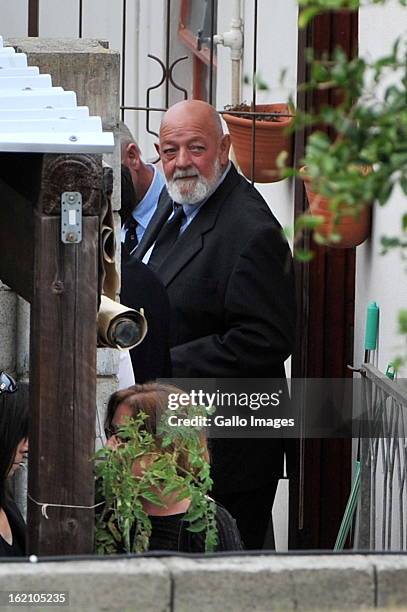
(13, 513)
(228, 533)
(17, 526)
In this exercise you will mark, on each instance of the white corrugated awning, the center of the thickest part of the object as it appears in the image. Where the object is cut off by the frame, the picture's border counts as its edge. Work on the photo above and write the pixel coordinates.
(39, 118)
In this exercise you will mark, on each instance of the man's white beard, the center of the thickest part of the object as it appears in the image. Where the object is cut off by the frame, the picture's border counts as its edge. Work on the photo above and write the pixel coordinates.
(196, 190)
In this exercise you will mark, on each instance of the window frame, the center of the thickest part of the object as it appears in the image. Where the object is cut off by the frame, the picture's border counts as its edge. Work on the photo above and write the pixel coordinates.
(201, 58)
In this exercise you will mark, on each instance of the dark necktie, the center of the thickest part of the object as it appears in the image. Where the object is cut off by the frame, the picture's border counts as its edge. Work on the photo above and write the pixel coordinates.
(166, 238)
(130, 240)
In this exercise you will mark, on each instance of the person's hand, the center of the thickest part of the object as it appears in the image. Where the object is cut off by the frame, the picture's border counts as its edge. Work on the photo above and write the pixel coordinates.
(113, 443)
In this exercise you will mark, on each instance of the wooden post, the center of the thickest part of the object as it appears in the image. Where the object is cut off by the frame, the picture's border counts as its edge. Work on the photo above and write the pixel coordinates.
(319, 493)
(33, 18)
(63, 361)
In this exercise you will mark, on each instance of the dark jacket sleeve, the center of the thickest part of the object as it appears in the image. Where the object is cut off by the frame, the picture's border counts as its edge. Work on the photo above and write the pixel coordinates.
(142, 289)
(259, 316)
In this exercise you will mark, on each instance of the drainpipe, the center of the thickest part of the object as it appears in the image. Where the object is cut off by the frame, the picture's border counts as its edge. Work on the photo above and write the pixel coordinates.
(234, 39)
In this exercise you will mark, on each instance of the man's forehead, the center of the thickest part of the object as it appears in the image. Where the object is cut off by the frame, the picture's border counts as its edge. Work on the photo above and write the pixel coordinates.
(185, 132)
(187, 119)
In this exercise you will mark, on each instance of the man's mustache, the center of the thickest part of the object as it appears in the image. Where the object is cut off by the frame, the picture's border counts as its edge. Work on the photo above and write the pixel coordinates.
(185, 174)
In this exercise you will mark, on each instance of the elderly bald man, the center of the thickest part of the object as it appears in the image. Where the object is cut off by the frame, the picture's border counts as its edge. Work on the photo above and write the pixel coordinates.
(228, 274)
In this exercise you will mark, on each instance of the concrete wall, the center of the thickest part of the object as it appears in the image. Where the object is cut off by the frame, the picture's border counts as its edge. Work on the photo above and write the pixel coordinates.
(221, 584)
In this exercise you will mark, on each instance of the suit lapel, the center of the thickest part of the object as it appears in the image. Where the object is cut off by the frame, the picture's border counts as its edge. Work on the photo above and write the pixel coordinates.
(163, 211)
(190, 242)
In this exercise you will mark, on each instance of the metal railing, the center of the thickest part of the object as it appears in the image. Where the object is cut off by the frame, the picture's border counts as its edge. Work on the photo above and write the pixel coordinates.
(382, 509)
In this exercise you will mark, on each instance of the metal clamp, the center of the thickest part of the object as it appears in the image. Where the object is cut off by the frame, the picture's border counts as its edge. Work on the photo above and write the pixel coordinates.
(71, 217)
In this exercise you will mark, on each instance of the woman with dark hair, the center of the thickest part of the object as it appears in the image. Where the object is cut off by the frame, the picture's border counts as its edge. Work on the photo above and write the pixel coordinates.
(13, 450)
(169, 519)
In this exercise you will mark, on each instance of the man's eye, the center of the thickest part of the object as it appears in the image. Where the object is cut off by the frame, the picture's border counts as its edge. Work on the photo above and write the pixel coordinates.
(197, 148)
(169, 152)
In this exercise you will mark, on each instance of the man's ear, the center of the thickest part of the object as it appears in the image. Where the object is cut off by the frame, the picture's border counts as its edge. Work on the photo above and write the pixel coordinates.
(131, 157)
(157, 148)
(224, 150)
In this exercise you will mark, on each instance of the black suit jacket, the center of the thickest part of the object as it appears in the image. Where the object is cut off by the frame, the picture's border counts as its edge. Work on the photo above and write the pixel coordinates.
(229, 279)
(140, 288)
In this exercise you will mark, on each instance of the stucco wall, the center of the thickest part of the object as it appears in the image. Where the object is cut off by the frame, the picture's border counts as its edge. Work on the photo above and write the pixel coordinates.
(382, 278)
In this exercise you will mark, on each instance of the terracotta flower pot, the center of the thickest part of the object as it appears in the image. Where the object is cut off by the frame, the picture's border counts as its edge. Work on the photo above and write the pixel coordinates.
(353, 229)
(271, 139)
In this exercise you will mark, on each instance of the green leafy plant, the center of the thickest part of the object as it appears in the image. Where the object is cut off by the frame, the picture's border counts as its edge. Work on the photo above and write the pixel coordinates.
(123, 523)
(312, 8)
(367, 129)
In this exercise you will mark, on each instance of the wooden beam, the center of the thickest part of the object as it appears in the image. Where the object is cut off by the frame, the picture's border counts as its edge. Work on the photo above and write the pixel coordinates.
(63, 363)
(33, 18)
(63, 391)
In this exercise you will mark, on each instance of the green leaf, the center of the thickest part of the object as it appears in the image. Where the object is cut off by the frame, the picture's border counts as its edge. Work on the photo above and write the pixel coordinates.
(385, 192)
(114, 531)
(335, 237)
(403, 322)
(197, 526)
(389, 243)
(319, 239)
(309, 222)
(303, 255)
(307, 15)
(153, 498)
(403, 185)
(194, 513)
(171, 487)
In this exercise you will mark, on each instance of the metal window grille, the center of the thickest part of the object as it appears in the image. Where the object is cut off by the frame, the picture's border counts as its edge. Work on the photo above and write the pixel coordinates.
(204, 37)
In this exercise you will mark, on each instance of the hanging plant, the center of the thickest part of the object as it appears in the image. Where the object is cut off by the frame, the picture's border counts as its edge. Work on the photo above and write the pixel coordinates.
(272, 137)
(365, 130)
(340, 225)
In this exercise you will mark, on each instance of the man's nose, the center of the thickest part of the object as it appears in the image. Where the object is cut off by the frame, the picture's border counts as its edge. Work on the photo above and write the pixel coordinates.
(183, 158)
